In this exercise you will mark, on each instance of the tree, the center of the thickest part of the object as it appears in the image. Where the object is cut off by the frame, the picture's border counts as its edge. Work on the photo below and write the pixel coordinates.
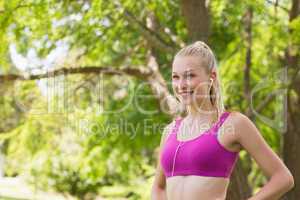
(140, 40)
(292, 135)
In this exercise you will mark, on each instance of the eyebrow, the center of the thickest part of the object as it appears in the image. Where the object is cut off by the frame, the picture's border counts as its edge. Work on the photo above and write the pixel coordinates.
(184, 71)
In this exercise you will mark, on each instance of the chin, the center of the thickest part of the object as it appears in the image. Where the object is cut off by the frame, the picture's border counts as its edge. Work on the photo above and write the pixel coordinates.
(190, 101)
(186, 101)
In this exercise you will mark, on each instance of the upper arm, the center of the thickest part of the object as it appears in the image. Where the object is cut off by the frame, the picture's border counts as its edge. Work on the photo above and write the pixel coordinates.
(159, 175)
(252, 141)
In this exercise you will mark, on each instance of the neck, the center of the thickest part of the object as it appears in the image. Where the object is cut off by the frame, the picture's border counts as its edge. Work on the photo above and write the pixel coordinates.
(206, 110)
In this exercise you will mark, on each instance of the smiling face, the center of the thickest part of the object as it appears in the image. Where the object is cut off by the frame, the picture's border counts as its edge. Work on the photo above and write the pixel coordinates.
(190, 81)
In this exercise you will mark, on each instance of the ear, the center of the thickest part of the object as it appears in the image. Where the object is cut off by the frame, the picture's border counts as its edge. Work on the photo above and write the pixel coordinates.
(213, 75)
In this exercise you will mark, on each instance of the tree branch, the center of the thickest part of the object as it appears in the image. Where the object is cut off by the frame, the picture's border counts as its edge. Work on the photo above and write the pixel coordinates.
(18, 7)
(262, 105)
(137, 72)
(153, 37)
(276, 4)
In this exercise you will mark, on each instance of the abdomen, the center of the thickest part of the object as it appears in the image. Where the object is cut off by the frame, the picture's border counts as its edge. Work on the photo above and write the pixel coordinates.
(196, 188)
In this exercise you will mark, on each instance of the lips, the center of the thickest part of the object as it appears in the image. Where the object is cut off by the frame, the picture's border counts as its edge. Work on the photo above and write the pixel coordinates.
(186, 92)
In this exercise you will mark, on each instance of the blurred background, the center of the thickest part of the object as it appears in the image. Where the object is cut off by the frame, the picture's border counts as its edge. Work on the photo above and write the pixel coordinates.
(86, 89)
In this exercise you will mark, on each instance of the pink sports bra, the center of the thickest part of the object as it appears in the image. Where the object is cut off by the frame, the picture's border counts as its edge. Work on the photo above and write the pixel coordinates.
(201, 156)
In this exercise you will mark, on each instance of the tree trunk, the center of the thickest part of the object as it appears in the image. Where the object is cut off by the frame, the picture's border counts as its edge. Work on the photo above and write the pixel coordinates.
(196, 14)
(238, 187)
(291, 146)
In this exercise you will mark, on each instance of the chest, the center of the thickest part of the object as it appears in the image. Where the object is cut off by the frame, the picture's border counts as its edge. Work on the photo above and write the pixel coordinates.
(224, 135)
(203, 156)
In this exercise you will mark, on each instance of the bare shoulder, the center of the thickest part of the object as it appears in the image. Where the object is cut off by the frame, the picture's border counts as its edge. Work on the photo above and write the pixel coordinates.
(243, 126)
(240, 120)
(234, 126)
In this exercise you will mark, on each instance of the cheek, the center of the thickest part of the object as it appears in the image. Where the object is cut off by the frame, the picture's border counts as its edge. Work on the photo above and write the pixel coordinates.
(199, 86)
(174, 85)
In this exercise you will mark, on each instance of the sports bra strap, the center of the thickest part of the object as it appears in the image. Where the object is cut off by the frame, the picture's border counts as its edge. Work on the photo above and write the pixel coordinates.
(221, 121)
(174, 129)
(177, 122)
(215, 129)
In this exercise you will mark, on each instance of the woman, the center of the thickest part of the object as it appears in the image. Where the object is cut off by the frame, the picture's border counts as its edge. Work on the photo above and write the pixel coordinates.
(200, 148)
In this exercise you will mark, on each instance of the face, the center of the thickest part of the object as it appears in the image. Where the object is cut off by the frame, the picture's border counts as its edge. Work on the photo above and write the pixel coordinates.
(190, 81)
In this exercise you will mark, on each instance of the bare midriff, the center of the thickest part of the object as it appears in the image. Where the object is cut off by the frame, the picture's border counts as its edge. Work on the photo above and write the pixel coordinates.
(196, 188)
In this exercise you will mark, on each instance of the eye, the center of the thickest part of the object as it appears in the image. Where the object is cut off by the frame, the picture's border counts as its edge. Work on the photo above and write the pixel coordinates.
(174, 76)
(190, 75)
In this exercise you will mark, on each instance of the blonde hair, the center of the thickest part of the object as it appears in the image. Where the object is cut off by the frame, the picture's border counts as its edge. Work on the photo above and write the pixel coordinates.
(208, 61)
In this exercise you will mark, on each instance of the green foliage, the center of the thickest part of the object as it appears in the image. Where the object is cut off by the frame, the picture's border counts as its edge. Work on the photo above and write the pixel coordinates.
(81, 149)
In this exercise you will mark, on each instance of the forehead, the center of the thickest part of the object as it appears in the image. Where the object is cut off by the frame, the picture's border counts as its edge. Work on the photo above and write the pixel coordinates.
(186, 63)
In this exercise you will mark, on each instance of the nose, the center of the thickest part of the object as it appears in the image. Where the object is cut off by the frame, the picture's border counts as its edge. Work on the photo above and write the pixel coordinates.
(183, 84)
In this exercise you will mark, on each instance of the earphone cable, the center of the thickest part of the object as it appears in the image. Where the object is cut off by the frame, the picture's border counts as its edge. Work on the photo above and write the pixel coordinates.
(174, 159)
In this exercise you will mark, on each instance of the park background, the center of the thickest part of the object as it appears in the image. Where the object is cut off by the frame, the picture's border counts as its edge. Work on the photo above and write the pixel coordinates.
(86, 89)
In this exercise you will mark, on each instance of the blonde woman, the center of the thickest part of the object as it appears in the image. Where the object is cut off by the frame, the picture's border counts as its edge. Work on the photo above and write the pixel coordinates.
(199, 149)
